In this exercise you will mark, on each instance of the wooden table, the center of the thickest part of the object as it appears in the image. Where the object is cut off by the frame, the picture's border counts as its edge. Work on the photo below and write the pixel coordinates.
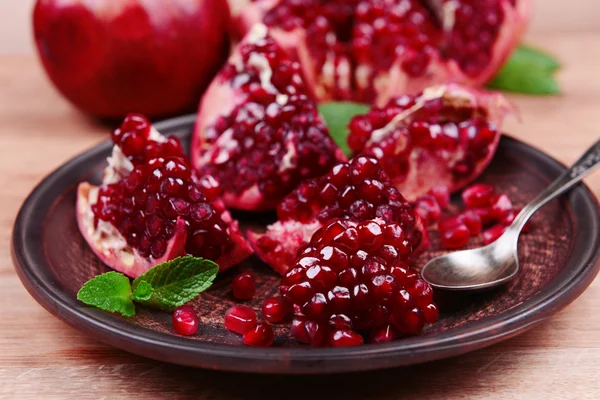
(41, 357)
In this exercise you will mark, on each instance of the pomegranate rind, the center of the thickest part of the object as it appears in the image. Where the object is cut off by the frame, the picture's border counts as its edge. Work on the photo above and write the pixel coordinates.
(285, 238)
(111, 247)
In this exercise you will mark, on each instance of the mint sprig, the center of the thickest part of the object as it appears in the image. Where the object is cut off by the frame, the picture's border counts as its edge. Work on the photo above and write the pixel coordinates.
(165, 287)
(176, 282)
(109, 292)
(528, 71)
(337, 116)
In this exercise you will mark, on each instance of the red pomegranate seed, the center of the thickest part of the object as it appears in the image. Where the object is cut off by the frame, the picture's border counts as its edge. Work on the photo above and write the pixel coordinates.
(345, 338)
(492, 234)
(298, 330)
(428, 209)
(442, 195)
(240, 319)
(455, 237)
(316, 333)
(384, 334)
(478, 195)
(274, 309)
(472, 221)
(431, 313)
(410, 322)
(243, 286)
(185, 320)
(501, 207)
(510, 217)
(260, 336)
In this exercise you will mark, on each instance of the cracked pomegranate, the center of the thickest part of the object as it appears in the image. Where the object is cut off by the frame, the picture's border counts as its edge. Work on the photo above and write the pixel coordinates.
(373, 50)
(349, 279)
(258, 131)
(150, 207)
(359, 190)
(445, 136)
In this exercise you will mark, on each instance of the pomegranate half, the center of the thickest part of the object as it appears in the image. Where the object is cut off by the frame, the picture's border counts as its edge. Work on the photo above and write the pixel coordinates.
(374, 50)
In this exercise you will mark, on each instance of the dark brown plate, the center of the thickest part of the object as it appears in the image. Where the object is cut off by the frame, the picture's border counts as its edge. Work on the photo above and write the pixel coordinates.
(560, 258)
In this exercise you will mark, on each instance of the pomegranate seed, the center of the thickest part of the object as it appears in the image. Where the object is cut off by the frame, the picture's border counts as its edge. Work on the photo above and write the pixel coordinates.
(274, 309)
(185, 320)
(298, 330)
(345, 338)
(384, 334)
(478, 195)
(501, 207)
(428, 209)
(243, 286)
(472, 221)
(492, 234)
(442, 195)
(260, 336)
(455, 237)
(240, 319)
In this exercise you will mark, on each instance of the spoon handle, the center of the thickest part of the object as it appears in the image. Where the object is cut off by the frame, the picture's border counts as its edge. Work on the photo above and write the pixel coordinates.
(588, 162)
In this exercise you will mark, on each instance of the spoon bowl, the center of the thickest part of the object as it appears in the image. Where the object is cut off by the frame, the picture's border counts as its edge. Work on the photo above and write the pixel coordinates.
(498, 262)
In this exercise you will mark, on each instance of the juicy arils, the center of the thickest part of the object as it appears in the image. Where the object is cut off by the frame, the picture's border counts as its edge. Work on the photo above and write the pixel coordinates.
(359, 190)
(446, 135)
(352, 278)
(150, 207)
(373, 50)
(258, 131)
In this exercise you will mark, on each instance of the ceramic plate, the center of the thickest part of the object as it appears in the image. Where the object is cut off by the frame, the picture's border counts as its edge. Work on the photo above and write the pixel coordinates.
(560, 258)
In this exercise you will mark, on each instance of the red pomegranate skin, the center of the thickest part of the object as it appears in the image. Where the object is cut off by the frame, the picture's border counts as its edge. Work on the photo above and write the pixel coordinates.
(110, 58)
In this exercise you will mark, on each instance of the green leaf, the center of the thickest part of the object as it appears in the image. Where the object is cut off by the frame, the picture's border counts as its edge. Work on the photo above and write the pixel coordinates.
(528, 71)
(337, 116)
(109, 292)
(176, 282)
(143, 292)
(539, 57)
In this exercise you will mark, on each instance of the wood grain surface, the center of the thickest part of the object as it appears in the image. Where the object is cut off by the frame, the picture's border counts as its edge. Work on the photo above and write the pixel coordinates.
(40, 357)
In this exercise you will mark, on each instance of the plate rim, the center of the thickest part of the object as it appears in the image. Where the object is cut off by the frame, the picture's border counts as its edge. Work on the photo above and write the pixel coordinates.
(113, 330)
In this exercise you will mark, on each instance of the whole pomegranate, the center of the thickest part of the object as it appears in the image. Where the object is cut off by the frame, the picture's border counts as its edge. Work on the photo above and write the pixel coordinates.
(110, 58)
(373, 50)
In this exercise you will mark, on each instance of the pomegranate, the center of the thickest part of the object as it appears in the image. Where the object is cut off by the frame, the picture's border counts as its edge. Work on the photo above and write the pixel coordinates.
(258, 131)
(347, 280)
(374, 50)
(359, 190)
(151, 208)
(446, 135)
(113, 57)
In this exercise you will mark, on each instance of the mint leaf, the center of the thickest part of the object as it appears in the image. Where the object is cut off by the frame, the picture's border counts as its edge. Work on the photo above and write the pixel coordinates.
(143, 292)
(176, 282)
(109, 292)
(528, 71)
(337, 116)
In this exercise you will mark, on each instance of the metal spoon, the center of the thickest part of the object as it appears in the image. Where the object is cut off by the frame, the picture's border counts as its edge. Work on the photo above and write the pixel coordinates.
(498, 262)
